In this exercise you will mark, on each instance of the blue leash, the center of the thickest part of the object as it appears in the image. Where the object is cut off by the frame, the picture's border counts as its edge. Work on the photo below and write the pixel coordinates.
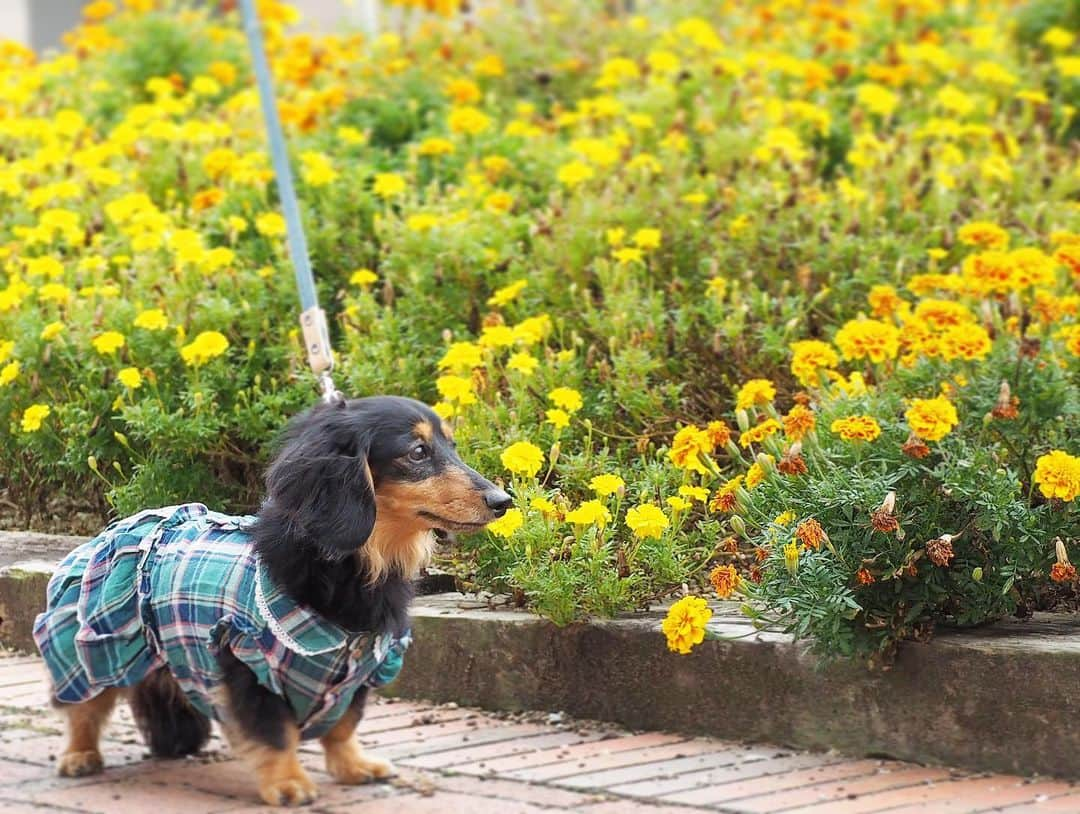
(312, 319)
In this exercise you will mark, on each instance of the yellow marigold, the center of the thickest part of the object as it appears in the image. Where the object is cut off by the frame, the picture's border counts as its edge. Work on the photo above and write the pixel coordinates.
(719, 434)
(647, 239)
(756, 473)
(566, 398)
(754, 392)
(883, 300)
(559, 419)
(856, 428)
(798, 422)
(687, 447)
(1031, 267)
(646, 521)
(523, 363)
(965, 342)
(9, 372)
(1071, 335)
(130, 377)
(108, 342)
(388, 185)
(589, 513)
(757, 434)
(456, 389)
(462, 357)
(507, 294)
(468, 120)
(678, 504)
(363, 278)
(868, 338)
(810, 356)
(270, 224)
(497, 336)
(204, 347)
(791, 558)
(574, 173)
(33, 416)
(725, 580)
(931, 419)
(506, 525)
(698, 493)
(983, 234)
(684, 625)
(943, 313)
(7, 347)
(48, 333)
(542, 505)
(523, 458)
(988, 272)
(1058, 475)
(605, 485)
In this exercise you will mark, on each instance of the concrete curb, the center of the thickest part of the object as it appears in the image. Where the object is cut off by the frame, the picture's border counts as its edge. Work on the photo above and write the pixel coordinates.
(1002, 698)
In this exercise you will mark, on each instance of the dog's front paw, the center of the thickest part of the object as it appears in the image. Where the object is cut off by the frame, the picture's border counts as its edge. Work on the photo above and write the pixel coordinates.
(353, 767)
(80, 764)
(294, 789)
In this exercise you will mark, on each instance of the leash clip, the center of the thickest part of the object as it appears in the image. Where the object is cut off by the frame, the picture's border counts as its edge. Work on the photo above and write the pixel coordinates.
(330, 394)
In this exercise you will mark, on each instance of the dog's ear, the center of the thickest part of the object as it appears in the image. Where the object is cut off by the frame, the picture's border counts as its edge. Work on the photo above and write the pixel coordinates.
(320, 484)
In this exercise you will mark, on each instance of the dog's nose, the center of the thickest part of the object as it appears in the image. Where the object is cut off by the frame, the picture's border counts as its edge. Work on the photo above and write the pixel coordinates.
(498, 501)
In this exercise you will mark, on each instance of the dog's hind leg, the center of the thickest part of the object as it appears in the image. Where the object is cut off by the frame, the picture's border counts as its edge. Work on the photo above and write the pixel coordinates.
(262, 729)
(345, 762)
(171, 726)
(84, 724)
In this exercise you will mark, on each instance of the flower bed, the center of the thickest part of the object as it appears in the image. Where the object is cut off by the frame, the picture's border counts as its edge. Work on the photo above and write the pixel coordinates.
(780, 294)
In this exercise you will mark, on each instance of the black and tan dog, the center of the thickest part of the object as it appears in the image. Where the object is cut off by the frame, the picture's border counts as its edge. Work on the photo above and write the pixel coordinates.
(355, 497)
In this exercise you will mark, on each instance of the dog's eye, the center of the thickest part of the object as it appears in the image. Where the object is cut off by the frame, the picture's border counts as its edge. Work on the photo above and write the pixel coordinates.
(419, 453)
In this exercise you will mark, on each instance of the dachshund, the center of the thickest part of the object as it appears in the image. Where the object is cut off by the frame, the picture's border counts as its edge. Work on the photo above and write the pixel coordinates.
(275, 625)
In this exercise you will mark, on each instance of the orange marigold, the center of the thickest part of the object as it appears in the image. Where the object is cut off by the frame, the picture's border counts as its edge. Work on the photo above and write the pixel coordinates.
(1063, 572)
(868, 338)
(719, 433)
(914, 447)
(864, 577)
(810, 533)
(798, 422)
(725, 580)
(724, 500)
(940, 551)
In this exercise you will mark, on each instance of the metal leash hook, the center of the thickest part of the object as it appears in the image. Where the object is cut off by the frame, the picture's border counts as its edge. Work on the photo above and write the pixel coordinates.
(312, 318)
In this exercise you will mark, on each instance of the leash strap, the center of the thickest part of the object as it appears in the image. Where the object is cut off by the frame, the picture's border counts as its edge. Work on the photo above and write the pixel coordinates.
(313, 324)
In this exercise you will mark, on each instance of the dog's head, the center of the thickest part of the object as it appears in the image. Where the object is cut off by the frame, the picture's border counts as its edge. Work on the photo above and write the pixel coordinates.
(377, 477)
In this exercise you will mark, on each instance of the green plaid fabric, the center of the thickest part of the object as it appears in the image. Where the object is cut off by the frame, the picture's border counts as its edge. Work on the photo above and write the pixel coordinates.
(171, 587)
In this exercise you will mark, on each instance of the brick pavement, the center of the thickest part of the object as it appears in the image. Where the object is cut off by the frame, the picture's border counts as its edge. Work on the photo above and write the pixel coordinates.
(459, 760)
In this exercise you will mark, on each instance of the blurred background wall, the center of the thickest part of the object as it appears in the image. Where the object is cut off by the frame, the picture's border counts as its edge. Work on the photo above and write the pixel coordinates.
(40, 23)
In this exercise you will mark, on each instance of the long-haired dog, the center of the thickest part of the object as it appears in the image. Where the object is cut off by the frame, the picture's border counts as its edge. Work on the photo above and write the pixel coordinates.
(275, 625)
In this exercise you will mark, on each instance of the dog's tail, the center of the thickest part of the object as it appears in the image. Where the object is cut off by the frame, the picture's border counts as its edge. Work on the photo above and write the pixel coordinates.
(171, 726)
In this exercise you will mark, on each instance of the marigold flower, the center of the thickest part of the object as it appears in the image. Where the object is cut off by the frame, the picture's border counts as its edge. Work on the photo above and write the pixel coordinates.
(206, 346)
(791, 558)
(864, 577)
(48, 333)
(457, 389)
(756, 473)
(130, 378)
(940, 550)
(883, 300)
(507, 294)
(687, 447)
(757, 434)
(913, 447)
(755, 392)
(856, 428)
(566, 398)
(868, 338)
(931, 419)
(9, 372)
(33, 417)
(725, 580)
(718, 433)
(574, 173)
(270, 224)
(792, 463)
(810, 356)
(724, 500)
(1007, 406)
(589, 513)
(810, 533)
(684, 625)
(983, 234)
(109, 342)
(387, 185)
(605, 485)
(1063, 572)
(799, 421)
(523, 458)
(647, 239)
(559, 419)
(506, 525)
(1058, 475)
(968, 342)
(646, 521)
(698, 493)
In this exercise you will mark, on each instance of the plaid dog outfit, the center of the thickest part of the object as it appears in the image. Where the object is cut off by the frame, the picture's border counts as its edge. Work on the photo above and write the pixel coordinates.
(171, 587)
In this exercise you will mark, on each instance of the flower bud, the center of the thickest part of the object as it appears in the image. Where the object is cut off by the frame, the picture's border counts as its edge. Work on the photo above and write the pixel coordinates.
(766, 462)
(738, 525)
(888, 505)
(977, 574)
(1061, 552)
(91, 462)
(742, 418)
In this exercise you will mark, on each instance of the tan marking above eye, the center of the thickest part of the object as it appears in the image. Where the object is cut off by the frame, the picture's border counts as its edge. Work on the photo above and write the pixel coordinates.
(447, 431)
(424, 430)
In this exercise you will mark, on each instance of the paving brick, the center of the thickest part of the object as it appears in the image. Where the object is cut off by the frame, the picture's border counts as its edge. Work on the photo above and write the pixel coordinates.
(440, 803)
(411, 719)
(476, 756)
(659, 769)
(753, 767)
(1005, 792)
(479, 735)
(11, 806)
(130, 795)
(513, 790)
(635, 807)
(1068, 803)
(423, 732)
(831, 795)
(610, 760)
(716, 792)
(991, 791)
(607, 744)
(14, 772)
